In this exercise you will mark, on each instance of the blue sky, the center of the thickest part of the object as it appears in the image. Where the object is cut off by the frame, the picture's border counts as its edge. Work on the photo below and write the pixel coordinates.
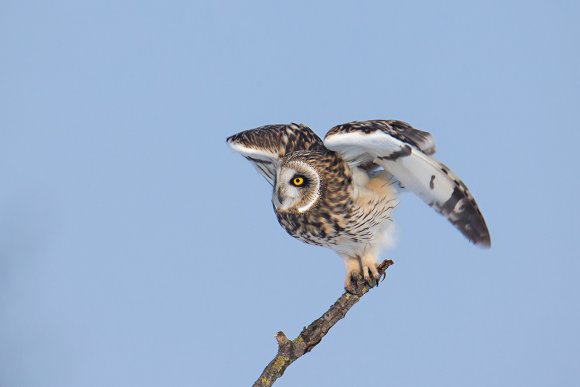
(137, 250)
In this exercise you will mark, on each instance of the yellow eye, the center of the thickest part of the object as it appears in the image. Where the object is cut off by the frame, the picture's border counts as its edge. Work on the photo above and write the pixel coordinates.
(298, 181)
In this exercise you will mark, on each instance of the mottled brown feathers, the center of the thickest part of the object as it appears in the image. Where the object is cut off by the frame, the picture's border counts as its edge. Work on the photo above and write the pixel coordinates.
(279, 140)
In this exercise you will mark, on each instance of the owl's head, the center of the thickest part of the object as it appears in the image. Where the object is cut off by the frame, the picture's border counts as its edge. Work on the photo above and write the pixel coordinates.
(298, 185)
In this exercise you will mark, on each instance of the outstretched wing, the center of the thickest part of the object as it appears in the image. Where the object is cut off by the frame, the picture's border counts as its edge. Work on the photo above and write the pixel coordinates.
(265, 145)
(404, 153)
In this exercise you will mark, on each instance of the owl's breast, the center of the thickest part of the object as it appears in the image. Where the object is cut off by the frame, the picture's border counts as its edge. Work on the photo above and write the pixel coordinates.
(347, 225)
(320, 228)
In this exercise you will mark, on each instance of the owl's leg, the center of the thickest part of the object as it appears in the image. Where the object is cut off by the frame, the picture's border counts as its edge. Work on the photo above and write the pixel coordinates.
(353, 269)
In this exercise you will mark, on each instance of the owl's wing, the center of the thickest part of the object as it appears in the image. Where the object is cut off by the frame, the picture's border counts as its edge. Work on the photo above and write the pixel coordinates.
(265, 145)
(404, 153)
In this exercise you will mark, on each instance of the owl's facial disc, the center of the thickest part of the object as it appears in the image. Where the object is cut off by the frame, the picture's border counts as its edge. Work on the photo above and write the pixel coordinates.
(297, 187)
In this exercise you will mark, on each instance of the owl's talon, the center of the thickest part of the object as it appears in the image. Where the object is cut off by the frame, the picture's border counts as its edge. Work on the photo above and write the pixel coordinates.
(370, 279)
(352, 290)
(351, 283)
(372, 275)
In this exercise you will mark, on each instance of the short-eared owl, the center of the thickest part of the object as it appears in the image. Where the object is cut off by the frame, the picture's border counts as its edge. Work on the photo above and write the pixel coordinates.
(340, 192)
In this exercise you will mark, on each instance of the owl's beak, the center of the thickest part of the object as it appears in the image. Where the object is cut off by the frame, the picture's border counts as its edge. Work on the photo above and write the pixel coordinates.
(278, 200)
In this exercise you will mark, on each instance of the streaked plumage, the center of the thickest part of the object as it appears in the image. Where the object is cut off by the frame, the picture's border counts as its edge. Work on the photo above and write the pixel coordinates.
(340, 192)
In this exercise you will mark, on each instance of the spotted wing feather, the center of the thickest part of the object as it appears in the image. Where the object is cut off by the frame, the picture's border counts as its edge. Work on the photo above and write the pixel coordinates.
(402, 154)
(398, 129)
(265, 145)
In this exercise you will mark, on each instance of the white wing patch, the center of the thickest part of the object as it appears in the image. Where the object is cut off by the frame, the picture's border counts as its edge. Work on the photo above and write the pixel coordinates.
(263, 161)
(429, 179)
(355, 146)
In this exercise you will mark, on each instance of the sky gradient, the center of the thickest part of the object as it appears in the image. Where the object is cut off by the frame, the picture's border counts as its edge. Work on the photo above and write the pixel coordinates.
(137, 250)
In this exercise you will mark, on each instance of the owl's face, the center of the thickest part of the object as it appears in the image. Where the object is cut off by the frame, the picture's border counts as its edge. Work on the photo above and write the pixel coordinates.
(297, 187)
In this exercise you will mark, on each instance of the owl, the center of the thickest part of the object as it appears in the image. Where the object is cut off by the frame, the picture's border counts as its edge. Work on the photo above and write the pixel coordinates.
(341, 192)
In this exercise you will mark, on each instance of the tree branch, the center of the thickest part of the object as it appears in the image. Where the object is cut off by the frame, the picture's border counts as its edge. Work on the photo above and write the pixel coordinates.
(290, 350)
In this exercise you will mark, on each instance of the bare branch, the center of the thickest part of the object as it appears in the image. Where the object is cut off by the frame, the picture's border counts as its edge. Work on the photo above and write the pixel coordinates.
(290, 350)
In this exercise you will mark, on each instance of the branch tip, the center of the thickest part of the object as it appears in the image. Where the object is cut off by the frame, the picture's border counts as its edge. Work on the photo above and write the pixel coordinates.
(281, 338)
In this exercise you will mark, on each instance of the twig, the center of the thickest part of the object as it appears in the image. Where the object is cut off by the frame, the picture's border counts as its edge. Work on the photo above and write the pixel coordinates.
(290, 350)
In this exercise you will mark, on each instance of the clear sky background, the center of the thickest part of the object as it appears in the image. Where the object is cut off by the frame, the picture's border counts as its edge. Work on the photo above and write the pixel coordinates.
(137, 250)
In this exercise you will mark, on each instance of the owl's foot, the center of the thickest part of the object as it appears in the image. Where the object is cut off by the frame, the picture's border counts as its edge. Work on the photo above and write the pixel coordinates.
(353, 282)
(360, 272)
